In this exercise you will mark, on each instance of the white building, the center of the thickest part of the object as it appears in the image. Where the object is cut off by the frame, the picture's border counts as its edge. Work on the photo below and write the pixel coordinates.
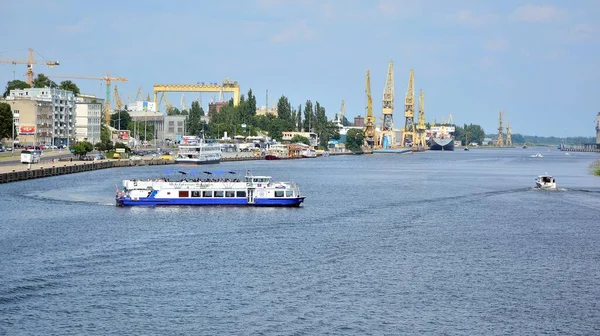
(88, 119)
(174, 127)
(62, 116)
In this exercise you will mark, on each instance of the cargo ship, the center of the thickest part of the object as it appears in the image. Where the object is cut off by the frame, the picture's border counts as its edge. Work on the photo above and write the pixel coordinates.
(441, 138)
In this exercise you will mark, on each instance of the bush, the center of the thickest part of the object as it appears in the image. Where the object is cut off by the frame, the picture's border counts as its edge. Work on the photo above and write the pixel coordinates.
(595, 167)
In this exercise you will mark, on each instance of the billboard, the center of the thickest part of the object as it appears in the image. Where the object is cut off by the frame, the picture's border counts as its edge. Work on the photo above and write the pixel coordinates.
(120, 136)
(145, 106)
(26, 129)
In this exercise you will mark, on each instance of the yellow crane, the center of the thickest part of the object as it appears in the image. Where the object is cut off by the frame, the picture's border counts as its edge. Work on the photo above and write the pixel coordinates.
(421, 138)
(30, 62)
(369, 129)
(408, 132)
(108, 79)
(118, 100)
(139, 96)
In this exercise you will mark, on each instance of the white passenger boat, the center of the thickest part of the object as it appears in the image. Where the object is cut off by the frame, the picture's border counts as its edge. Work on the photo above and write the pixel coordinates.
(197, 150)
(216, 188)
(545, 181)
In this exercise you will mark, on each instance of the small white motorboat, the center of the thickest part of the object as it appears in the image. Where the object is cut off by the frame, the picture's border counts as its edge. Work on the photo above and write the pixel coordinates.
(545, 181)
(537, 155)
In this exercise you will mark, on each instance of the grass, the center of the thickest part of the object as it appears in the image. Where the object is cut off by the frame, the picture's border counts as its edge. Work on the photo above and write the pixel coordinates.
(595, 167)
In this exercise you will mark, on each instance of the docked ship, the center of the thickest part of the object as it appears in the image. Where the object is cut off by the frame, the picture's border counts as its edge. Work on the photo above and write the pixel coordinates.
(197, 150)
(441, 138)
(278, 152)
(249, 191)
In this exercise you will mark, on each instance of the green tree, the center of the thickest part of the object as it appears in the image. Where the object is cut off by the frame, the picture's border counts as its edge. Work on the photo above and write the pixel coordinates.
(70, 86)
(42, 81)
(81, 148)
(354, 140)
(194, 120)
(299, 118)
(308, 116)
(299, 138)
(284, 109)
(120, 120)
(6, 121)
(15, 85)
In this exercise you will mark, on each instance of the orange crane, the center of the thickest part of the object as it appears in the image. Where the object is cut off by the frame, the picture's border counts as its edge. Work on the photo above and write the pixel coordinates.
(30, 62)
(108, 80)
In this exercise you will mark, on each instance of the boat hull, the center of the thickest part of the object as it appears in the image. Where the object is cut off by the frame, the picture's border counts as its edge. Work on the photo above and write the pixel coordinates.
(197, 162)
(264, 202)
(445, 144)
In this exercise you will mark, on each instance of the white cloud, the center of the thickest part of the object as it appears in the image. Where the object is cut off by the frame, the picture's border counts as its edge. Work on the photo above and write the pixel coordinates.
(295, 31)
(77, 28)
(404, 8)
(496, 44)
(466, 17)
(538, 14)
(583, 32)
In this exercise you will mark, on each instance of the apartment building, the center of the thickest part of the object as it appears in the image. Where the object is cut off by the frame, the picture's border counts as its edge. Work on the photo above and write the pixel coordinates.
(88, 118)
(47, 115)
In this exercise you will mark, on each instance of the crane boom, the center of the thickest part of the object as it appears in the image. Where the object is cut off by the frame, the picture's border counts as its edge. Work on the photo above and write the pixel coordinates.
(408, 132)
(30, 62)
(108, 80)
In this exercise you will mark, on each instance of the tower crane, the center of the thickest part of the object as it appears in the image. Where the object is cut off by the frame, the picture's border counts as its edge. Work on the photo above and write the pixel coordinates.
(369, 129)
(388, 108)
(408, 132)
(421, 139)
(30, 62)
(508, 136)
(108, 80)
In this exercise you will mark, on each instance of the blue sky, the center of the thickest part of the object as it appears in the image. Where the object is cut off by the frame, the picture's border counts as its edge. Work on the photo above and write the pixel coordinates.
(536, 60)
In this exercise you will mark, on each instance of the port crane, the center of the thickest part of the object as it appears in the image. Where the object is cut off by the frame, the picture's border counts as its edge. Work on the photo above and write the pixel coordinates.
(108, 79)
(369, 128)
(508, 136)
(500, 140)
(421, 136)
(30, 62)
(388, 137)
(118, 100)
(408, 132)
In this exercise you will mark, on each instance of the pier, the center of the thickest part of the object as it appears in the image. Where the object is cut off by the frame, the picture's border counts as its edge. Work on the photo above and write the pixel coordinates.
(586, 147)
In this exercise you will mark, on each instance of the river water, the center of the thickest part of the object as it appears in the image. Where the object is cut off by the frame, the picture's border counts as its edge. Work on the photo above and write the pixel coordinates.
(431, 243)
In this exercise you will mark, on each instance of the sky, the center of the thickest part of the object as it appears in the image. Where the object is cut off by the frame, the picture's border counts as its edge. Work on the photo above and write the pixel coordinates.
(535, 60)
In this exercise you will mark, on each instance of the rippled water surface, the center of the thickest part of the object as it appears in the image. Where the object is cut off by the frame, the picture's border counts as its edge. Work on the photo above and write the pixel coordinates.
(430, 243)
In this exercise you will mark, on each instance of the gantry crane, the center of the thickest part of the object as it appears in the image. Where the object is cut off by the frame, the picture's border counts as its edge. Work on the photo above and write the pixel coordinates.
(369, 128)
(421, 136)
(387, 129)
(500, 139)
(408, 132)
(508, 136)
(30, 62)
(108, 80)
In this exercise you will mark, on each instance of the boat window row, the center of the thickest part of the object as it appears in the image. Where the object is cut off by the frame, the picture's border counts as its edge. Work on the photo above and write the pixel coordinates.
(212, 193)
(281, 193)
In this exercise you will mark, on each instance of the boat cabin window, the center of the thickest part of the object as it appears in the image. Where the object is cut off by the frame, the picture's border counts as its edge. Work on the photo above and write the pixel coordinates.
(229, 193)
(218, 193)
(195, 193)
(289, 193)
(240, 194)
(278, 193)
(183, 193)
(207, 193)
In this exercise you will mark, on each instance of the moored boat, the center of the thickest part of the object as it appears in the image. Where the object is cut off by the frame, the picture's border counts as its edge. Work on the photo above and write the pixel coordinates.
(197, 150)
(278, 152)
(441, 138)
(250, 191)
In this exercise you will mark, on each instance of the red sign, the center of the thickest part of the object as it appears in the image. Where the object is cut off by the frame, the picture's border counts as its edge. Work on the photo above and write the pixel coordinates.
(26, 130)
